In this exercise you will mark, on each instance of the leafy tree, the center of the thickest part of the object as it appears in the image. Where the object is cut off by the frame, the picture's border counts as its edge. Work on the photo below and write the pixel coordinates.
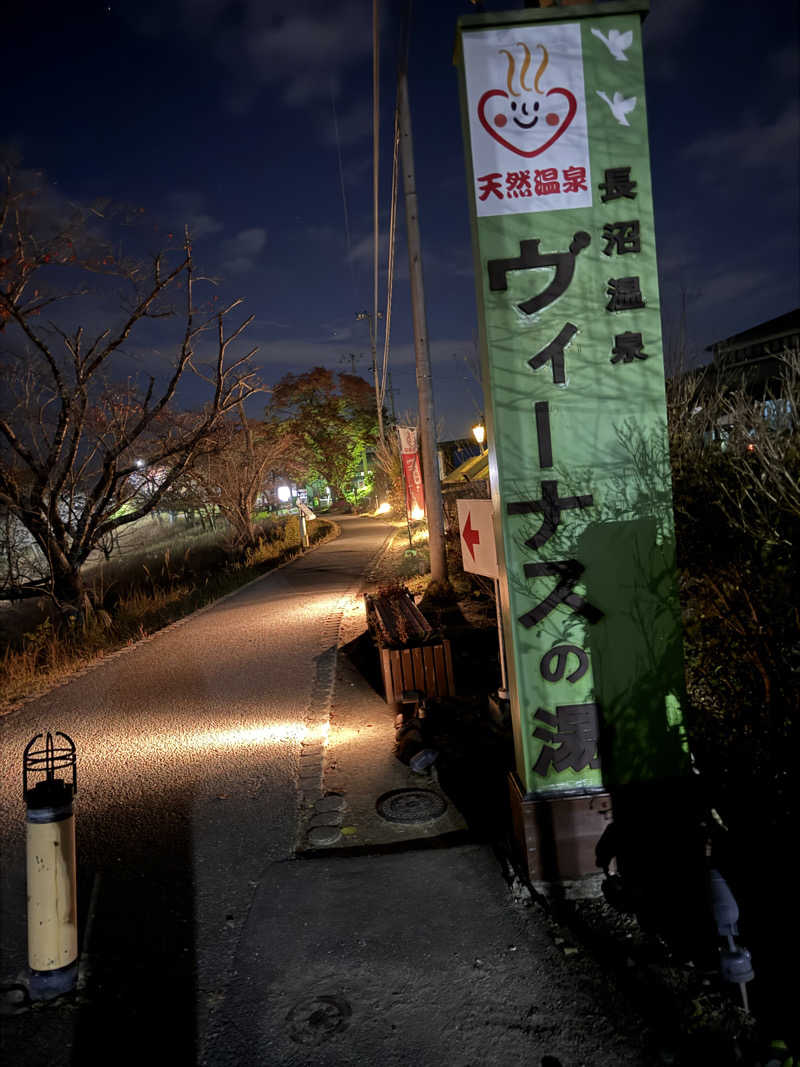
(334, 416)
(77, 429)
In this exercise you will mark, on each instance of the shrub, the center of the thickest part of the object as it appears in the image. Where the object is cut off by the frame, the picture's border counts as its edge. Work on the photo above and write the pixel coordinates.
(736, 486)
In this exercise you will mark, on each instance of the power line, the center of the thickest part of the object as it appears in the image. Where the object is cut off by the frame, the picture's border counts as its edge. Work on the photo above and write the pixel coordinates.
(392, 248)
(347, 235)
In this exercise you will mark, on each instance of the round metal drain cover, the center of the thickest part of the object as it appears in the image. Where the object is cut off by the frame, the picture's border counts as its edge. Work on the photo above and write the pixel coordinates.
(316, 1019)
(410, 805)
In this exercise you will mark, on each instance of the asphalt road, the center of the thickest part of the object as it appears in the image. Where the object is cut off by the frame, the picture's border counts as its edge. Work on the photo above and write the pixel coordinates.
(188, 755)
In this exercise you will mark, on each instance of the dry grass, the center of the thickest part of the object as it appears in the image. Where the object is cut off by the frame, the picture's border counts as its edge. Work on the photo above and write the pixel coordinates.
(138, 598)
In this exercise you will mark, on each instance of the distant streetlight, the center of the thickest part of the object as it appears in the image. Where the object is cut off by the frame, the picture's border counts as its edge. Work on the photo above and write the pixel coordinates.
(284, 494)
(479, 433)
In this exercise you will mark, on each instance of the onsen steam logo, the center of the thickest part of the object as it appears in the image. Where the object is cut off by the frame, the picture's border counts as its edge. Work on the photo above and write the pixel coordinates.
(529, 118)
(526, 103)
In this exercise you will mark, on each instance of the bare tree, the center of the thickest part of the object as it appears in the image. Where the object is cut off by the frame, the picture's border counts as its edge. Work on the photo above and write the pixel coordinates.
(84, 447)
(735, 458)
(232, 468)
(753, 436)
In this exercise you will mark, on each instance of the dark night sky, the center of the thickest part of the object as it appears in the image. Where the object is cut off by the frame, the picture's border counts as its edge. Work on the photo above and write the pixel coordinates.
(219, 114)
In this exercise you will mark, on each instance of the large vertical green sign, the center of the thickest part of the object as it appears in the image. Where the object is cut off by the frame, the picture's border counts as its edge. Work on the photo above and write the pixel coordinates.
(559, 175)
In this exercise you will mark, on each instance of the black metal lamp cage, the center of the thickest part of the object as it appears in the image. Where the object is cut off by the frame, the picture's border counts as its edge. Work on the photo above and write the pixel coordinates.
(39, 767)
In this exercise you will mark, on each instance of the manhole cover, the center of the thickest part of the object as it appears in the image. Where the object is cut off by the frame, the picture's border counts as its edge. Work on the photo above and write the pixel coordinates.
(316, 1019)
(411, 805)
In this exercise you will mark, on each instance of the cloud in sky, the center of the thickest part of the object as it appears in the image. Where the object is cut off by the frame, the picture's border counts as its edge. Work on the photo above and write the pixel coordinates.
(202, 225)
(784, 63)
(323, 233)
(730, 286)
(362, 250)
(304, 352)
(752, 142)
(361, 255)
(240, 253)
(188, 208)
(663, 32)
(185, 207)
(302, 49)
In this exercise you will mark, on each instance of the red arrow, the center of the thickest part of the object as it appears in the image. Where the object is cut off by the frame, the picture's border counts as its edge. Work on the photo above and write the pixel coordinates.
(471, 537)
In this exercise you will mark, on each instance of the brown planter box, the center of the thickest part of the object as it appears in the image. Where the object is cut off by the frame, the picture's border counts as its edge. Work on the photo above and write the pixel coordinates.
(412, 655)
(426, 668)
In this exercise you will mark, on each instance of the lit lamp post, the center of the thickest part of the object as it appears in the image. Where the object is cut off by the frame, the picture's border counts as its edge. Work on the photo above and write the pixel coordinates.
(479, 433)
(284, 494)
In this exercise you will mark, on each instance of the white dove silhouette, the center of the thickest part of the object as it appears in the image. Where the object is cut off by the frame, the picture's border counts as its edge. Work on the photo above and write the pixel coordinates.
(616, 43)
(619, 106)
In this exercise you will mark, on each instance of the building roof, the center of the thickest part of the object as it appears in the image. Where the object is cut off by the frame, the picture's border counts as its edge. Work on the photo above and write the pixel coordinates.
(475, 469)
(771, 330)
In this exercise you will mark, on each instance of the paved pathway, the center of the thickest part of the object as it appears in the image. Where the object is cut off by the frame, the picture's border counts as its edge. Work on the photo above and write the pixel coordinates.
(189, 751)
(206, 942)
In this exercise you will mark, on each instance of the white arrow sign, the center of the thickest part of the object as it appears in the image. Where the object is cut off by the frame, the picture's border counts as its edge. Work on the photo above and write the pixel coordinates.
(477, 537)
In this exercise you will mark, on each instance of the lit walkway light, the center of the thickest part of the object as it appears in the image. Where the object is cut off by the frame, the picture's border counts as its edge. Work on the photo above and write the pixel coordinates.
(51, 877)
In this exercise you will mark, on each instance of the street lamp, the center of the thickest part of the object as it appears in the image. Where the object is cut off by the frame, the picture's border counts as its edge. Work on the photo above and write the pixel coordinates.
(479, 433)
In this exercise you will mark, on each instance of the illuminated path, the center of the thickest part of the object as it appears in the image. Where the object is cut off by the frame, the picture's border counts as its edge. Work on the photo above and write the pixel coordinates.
(188, 751)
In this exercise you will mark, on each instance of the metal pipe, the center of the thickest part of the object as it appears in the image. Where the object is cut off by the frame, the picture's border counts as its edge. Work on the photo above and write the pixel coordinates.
(503, 692)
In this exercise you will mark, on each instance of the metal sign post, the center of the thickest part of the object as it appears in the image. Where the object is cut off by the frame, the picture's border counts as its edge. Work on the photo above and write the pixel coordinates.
(479, 556)
(306, 515)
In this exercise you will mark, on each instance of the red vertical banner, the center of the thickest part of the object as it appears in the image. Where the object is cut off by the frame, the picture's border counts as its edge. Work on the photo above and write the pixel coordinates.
(409, 454)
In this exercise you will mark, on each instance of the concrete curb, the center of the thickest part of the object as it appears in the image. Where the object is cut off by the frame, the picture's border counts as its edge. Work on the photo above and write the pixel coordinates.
(311, 796)
(360, 765)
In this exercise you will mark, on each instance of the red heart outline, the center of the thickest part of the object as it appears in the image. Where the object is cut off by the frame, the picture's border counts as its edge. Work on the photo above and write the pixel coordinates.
(571, 102)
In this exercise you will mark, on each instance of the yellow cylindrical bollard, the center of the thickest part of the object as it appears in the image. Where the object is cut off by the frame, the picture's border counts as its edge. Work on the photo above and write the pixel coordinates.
(52, 894)
(51, 870)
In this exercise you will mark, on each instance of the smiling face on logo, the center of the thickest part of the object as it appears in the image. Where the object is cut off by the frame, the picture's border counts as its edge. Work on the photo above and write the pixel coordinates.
(526, 120)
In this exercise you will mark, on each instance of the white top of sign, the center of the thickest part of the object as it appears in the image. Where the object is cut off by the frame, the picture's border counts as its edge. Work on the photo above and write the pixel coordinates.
(527, 119)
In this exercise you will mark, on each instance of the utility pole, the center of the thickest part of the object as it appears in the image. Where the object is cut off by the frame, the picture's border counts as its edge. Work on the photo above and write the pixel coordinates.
(373, 348)
(427, 420)
(391, 394)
